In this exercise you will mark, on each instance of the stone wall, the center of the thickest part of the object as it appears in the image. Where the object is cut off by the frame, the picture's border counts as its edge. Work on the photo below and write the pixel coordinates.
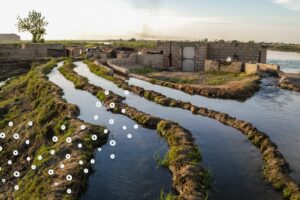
(214, 65)
(269, 67)
(244, 52)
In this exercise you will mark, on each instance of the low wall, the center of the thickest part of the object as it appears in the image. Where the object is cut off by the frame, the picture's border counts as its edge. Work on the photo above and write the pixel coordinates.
(251, 68)
(9, 52)
(214, 65)
(118, 68)
(269, 67)
(150, 60)
(132, 59)
(22, 54)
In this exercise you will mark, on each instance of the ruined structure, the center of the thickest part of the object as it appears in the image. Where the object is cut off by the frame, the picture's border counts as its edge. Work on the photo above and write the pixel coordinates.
(191, 56)
(75, 51)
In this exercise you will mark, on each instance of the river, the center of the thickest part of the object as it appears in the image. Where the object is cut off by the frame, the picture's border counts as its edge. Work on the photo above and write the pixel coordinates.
(236, 164)
(272, 110)
(133, 173)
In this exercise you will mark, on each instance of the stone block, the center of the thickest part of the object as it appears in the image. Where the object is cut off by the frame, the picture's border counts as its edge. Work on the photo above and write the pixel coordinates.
(211, 65)
(269, 67)
(232, 67)
(251, 68)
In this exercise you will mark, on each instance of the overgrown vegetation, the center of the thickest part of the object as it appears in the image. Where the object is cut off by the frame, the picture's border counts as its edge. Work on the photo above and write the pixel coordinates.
(220, 78)
(167, 196)
(285, 47)
(32, 98)
(137, 44)
(208, 78)
(144, 70)
(68, 66)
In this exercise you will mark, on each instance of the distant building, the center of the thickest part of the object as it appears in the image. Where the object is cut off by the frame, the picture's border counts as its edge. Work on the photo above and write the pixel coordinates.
(75, 51)
(9, 37)
(191, 56)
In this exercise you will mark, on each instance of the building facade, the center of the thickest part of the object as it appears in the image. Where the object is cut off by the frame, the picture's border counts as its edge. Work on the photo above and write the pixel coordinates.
(191, 56)
(9, 38)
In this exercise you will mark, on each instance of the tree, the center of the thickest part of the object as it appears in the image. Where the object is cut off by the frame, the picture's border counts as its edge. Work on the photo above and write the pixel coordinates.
(35, 24)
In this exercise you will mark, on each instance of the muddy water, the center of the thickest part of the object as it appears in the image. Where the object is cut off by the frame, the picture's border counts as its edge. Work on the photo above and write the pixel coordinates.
(133, 174)
(272, 110)
(236, 164)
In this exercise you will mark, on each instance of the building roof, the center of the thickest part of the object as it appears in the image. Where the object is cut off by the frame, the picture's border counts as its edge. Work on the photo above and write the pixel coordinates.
(9, 37)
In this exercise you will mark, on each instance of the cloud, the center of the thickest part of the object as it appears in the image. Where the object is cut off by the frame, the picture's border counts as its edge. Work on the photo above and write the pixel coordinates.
(290, 4)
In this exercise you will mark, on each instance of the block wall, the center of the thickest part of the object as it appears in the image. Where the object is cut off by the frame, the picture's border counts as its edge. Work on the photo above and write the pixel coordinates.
(176, 48)
(244, 52)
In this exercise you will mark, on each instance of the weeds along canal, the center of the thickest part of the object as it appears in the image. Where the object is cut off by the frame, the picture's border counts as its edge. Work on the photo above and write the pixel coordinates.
(236, 164)
(133, 173)
(272, 110)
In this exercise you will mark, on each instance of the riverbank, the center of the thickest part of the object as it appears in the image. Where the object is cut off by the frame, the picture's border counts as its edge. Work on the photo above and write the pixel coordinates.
(190, 179)
(32, 106)
(276, 168)
(229, 86)
(290, 81)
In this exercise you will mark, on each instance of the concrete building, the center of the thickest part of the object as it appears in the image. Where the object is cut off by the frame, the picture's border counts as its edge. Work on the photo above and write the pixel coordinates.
(11, 37)
(191, 56)
(75, 51)
(30, 52)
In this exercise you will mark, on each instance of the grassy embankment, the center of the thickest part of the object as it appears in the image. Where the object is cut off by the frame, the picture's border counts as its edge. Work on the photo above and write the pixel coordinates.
(222, 85)
(33, 98)
(183, 158)
(206, 79)
(276, 169)
(285, 47)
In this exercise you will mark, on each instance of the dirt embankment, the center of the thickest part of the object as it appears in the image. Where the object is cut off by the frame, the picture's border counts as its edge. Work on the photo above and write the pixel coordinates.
(33, 98)
(276, 169)
(183, 157)
(9, 69)
(290, 81)
(239, 90)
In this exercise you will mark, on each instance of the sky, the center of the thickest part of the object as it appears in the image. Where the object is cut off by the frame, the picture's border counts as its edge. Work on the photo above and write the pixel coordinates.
(245, 20)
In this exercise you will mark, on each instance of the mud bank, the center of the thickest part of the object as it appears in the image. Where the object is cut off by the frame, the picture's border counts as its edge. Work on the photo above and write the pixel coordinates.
(290, 81)
(184, 158)
(276, 169)
(241, 92)
(32, 98)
